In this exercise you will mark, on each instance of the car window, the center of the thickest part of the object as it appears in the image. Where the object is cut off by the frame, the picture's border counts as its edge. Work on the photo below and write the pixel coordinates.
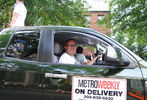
(92, 46)
(24, 45)
(110, 54)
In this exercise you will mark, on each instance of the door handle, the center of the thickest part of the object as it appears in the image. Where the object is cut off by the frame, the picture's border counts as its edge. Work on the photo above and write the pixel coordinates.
(54, 75)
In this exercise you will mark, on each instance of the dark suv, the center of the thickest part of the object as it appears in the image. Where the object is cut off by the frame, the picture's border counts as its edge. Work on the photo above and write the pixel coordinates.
(29, 68)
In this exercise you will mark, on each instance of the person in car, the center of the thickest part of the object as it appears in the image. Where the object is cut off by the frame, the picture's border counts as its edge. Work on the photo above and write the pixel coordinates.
(80, 56)
(82, 59)
(68, 56)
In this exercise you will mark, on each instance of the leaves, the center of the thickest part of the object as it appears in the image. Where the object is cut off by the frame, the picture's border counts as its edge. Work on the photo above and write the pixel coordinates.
(4, 38)
(47, 12)
(6, 10)
(128, 21)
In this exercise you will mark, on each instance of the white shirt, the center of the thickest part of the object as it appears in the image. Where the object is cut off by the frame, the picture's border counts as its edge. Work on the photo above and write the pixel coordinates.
(67, 59)
(21, 10)
(81, 58)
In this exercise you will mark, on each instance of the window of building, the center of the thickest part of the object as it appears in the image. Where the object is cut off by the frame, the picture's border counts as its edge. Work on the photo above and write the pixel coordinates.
(88, 21)
(100, 20)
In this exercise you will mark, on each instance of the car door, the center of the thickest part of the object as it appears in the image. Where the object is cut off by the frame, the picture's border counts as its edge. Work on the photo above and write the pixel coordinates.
(58, 77)
(118, 64)
(20, 74)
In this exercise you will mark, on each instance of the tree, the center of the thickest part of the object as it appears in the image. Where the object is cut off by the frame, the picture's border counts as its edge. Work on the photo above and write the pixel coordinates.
(47, 12)
(6, 9)
(128, 21)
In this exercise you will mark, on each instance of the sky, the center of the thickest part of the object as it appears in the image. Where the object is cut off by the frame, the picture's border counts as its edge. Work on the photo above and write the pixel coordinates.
(98, 5)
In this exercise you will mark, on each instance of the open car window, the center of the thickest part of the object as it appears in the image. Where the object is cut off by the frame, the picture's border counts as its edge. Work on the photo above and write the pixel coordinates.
(112, 56)
(89, 43)
(24, 45)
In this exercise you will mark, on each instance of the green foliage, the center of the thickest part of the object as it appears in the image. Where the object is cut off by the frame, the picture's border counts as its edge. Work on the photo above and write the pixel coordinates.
(128, 21)
(47, 12)
(6, 10)
(100, 21)
(4, 38)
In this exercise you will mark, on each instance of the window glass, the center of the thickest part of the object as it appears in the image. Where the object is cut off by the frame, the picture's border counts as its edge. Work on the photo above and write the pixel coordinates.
(88, 21)
(24, 45)
(100, 20)
(93, 47)
(4, 38)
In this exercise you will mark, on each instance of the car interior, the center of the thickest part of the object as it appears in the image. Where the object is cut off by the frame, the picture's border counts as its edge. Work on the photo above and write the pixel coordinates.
(24, 45)
(92, 43)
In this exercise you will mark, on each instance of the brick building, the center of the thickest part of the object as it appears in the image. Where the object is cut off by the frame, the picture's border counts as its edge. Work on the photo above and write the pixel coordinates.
(99, 9)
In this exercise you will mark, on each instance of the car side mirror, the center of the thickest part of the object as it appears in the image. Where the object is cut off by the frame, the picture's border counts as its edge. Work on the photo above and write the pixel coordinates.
(114, 57)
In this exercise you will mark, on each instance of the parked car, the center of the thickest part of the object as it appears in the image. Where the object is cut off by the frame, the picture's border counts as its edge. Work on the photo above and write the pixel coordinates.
(29, 67)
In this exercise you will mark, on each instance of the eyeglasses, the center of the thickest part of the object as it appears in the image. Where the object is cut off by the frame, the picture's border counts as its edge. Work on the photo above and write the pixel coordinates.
(71, 45)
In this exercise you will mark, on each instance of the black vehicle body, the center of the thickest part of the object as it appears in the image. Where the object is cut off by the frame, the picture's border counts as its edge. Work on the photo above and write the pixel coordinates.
(46, 79)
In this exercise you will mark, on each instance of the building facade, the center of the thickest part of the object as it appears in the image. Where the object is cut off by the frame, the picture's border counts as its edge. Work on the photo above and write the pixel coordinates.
(99, 9)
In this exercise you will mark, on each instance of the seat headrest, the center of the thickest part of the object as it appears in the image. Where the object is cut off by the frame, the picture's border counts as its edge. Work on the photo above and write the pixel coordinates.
(57, 48)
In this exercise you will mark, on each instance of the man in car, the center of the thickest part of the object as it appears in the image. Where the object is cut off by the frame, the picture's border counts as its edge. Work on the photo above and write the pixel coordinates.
(68, 56)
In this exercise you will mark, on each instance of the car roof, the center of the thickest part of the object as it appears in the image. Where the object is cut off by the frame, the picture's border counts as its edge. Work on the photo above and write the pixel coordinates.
(75, 28)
